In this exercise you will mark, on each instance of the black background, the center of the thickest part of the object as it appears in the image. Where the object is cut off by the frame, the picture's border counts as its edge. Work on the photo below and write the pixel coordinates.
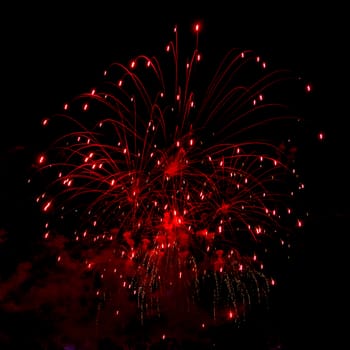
(50, 52)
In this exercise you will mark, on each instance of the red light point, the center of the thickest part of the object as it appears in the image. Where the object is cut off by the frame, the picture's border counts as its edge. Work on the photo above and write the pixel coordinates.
(321, 136)
(41, 159)
(47, 206)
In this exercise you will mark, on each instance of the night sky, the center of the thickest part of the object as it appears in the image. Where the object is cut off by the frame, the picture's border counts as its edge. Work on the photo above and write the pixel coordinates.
(52, 53)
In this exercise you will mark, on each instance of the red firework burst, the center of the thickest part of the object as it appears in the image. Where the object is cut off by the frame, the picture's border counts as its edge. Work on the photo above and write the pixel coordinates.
(177, 190)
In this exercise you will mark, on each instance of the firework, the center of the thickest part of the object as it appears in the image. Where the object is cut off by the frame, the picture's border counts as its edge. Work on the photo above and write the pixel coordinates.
(177, 192)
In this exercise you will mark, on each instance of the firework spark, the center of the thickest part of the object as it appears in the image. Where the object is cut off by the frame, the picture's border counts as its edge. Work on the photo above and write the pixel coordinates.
(177, 191)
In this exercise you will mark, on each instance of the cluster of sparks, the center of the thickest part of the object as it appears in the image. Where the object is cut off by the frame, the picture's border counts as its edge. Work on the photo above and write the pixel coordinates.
(178, 194)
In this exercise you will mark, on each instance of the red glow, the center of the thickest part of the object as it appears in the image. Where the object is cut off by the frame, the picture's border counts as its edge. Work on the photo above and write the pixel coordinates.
(41, 159)
(47, 206)
(321, 136)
